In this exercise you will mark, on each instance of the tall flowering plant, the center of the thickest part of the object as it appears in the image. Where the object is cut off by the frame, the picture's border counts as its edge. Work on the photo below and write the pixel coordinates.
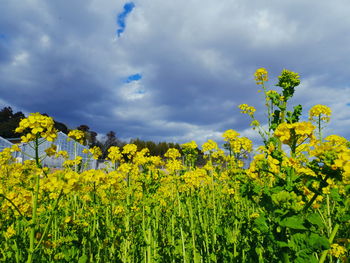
(299, 180)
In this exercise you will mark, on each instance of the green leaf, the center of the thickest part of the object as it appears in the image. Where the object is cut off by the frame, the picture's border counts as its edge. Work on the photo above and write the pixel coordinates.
(293, 222)
(309, 258)
(261, 224)
(83, 259)
(335, 195)
(315, 219)
(318, 242)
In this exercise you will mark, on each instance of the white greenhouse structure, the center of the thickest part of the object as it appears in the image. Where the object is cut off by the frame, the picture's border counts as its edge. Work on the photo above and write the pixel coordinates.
(4, 144)
(63, 143)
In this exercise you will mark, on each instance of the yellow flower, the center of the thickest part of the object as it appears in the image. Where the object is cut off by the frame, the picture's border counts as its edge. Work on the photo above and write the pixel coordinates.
(68, 219)
(76, 161)
(15, 148)
(209, 146)
(96, 152)
(283, 132)
(10, 232)
(118, 210)
(320, 112)
(337, 250)
(230, 135)
(51, 151)
(130, 150)
(114, 154)
(77, 135)
(254, 215)
(260, 76)
(172, 153)
(255, 123)
(189, 145)
(246, 109)
(241, 144)
(37, 125)
(63, 154)
(302, 130)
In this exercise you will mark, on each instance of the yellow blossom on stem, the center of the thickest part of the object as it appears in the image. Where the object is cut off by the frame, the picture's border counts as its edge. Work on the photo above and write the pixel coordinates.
(230, 135)
(189, 145)
(172, 153)
(114, 154)
(337, 250)
(209, 146)
(246, 109)
(129, 150)
(51, 151)
(96, 152)
(260, 76)
(37, 125)
(10, 232)
(320, 112)
(77, 135)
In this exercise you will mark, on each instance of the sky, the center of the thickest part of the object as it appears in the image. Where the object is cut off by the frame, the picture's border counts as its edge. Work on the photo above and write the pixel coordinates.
(171, 70)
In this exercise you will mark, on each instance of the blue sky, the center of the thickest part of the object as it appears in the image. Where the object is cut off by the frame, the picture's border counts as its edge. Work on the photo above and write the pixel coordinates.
(121, 18)
(171, 70)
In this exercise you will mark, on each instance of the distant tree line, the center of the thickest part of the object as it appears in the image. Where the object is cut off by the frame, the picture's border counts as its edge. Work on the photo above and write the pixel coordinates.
(9, 121)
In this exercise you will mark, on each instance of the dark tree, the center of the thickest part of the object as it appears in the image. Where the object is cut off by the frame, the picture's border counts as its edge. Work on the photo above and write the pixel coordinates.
(61, 127)
(83, 128)
(9, 121)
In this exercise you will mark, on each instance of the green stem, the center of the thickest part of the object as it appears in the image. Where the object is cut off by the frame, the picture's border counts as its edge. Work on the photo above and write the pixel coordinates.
(35, 203)
(17, 209)
(49, 222)
(181, 230)
(324, 253)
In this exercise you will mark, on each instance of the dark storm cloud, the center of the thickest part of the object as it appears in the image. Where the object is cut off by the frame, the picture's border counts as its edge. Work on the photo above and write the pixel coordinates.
(196, 67)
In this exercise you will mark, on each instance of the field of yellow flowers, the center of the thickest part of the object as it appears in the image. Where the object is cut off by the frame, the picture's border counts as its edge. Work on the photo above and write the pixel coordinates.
(291, 203)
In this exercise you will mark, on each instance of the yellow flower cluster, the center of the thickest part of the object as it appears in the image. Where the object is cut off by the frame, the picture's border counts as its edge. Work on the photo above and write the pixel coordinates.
(320, 112)
(260, 76)
(114, 154)
(230, 135)
(77, 135)
(241, 144)
(173, 165)
(70, 163)
(6, 156)
(129, 150)
(197, 178)
(337, 250)
(245, 108)
(10, 232)
(343, 162)
(63, 154)
(36, 126)
(96, 152)
(271, 93)
(141, 157)
(302, 130)
(51, 151)
(189, 145)
(210, 146)
(172, 153)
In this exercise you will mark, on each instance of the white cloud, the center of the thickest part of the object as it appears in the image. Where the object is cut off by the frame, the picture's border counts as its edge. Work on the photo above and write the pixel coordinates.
(20, 58)
(132, 91)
